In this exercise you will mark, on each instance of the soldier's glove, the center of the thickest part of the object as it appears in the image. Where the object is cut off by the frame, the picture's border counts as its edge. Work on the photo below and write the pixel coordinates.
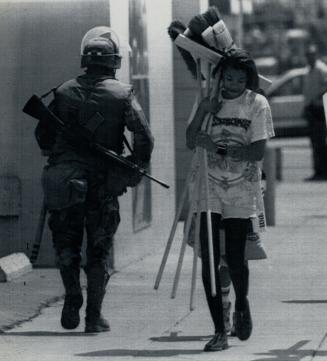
(133, 177)
(120, 177)
(115, 182)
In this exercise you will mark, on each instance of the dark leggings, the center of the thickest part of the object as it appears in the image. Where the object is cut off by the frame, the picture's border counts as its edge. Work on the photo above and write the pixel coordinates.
(236, 231)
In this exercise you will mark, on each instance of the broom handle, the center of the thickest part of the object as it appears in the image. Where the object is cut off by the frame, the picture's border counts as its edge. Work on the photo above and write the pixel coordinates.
(173, 230)
(207, 127)
(198, 195)
(185, 236)
(209, 222)
(39, 233)
(196, 243)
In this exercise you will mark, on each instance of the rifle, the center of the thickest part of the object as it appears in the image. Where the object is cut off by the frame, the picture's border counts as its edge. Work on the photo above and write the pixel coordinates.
(79, 136)
(38, 236)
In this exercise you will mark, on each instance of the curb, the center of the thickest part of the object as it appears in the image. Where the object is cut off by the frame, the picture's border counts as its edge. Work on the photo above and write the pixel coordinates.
(14, 266)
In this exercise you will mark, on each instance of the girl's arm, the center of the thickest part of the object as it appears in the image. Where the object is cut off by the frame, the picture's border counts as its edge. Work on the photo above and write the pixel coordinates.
(194, 128)
(252, 152)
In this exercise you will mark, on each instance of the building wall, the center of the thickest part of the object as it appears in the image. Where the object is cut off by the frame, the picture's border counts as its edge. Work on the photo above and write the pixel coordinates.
(42, 43)
(131, 245)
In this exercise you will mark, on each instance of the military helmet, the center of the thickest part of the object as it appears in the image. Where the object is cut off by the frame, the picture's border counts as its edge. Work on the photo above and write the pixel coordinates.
(100, 46)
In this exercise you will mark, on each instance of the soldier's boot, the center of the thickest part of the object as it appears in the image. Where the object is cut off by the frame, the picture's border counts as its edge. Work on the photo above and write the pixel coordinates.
(97, 280)
(70, 318)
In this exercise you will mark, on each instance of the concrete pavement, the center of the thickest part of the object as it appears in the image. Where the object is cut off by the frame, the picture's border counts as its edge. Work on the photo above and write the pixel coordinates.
(288, 296)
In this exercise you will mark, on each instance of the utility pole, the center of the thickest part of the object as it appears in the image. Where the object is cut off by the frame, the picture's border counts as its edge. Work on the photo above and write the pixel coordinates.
(240, 24)
(238, 9)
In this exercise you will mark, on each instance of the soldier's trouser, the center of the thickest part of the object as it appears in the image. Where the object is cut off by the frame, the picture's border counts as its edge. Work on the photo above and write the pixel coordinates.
(99, 213)
(97, 280)
(67, 233)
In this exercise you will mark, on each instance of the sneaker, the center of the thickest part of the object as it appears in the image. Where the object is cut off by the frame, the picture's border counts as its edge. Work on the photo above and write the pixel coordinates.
(243, 323)
(70, 313)
(217, 343)
(226, 312)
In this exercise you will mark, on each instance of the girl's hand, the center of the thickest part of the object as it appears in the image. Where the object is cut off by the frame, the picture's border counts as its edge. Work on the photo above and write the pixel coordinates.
(253, 152)
(237, 152)
(211, 105)
(204, 140)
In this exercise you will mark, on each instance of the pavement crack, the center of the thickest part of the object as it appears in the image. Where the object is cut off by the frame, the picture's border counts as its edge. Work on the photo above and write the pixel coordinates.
(35, 314)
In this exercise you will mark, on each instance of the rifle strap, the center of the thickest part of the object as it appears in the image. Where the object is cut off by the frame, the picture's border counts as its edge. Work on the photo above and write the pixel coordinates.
(50, 91)
(127, 144)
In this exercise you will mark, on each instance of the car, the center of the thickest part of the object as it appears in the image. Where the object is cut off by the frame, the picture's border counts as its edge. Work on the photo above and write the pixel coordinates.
(286, 99)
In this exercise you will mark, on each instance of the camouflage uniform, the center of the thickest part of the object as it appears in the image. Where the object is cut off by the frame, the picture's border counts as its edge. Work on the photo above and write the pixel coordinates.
(81, 189)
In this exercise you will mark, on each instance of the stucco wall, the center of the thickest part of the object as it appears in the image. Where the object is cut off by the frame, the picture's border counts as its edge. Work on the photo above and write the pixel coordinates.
(40, 43)
(131, 245)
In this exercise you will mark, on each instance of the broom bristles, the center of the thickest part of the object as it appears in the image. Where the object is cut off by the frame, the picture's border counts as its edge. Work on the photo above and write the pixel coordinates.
(212, 15)
(198, 24)
(175, 28)
(189, 61)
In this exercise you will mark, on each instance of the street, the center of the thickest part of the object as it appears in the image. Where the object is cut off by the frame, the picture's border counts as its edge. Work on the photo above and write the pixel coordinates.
(288, 295)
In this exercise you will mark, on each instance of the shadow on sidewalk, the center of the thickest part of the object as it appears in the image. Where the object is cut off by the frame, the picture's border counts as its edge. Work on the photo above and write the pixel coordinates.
(140, 353)
(292, 353)
(173, 337)
(305, 301)
(47, 333)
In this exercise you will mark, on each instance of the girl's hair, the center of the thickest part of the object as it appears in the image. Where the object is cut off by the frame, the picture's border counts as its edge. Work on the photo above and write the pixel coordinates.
(240, 59)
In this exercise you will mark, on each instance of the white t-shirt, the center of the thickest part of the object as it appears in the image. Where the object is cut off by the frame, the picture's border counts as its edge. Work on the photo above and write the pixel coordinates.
(235, 186)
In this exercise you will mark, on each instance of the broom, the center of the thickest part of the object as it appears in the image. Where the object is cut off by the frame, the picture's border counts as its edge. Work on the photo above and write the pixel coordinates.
(178, 28)
(196, 26)
(211, 29)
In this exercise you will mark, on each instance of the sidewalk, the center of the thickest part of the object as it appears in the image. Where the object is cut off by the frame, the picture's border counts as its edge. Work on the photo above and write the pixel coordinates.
(23, 299)
(288, 295)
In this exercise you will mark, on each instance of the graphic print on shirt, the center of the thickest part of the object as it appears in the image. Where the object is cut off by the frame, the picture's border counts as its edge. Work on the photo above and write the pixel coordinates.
(225, 171)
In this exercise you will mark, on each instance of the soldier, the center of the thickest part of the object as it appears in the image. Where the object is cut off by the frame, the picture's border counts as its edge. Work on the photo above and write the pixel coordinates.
(82, 188)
